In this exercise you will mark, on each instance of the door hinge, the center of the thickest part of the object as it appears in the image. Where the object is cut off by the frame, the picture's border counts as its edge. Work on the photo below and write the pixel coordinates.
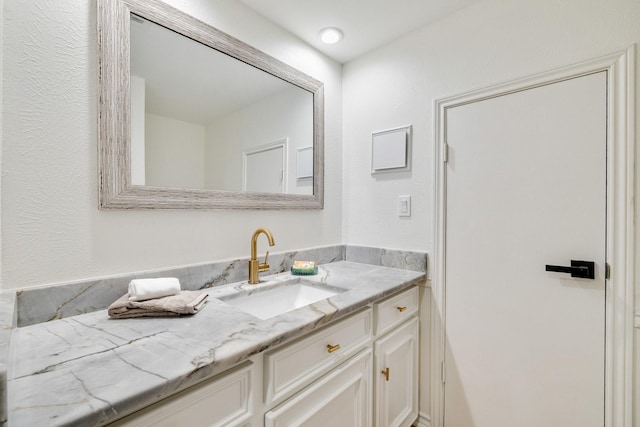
(607, 271)
(445, 152)
(442, 372)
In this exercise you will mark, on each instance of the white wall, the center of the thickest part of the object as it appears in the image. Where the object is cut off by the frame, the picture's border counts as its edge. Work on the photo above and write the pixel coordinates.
(138, 91)
(52, 229)
(174, 152)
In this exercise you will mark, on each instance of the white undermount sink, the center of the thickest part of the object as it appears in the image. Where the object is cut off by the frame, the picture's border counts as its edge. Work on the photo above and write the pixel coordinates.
(271, 301)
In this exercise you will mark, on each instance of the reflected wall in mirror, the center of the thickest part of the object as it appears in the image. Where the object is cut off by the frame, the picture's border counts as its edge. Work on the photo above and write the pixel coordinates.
(190, 117)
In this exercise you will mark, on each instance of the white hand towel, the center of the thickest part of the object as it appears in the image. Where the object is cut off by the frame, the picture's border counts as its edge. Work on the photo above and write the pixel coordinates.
(144, 289)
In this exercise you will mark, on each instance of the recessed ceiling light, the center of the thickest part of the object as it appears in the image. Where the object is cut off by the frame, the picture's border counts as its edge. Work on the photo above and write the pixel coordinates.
(331, 35)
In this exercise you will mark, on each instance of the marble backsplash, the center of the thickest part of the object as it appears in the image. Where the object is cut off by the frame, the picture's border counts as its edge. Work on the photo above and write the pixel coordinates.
(36, 305)
(7, 321)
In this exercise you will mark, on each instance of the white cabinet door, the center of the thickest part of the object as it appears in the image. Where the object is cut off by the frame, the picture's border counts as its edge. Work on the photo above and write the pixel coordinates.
(396, 368)
(340, 399)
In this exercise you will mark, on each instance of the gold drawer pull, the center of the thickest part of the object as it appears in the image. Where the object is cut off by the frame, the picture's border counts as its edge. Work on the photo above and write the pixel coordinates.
(386, 374)
(401, 309)
(332, 348)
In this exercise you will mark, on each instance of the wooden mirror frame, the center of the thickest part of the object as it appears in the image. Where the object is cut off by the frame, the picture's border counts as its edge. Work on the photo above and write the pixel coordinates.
(114, 114)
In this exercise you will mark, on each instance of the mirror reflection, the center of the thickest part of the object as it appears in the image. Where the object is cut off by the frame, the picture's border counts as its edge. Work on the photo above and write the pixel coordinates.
(201, 119)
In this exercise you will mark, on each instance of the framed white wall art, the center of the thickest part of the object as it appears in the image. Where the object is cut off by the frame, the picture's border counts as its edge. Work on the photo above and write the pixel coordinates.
(305, 162)
(391, 150)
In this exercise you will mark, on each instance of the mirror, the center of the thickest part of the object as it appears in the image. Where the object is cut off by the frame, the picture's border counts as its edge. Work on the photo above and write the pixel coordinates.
(214, 124)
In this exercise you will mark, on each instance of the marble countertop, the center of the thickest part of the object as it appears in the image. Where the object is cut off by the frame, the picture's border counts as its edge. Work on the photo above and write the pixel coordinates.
(91, 370)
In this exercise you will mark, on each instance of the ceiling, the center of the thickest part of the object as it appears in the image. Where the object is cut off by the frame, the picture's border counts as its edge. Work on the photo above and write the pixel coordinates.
(367, 24)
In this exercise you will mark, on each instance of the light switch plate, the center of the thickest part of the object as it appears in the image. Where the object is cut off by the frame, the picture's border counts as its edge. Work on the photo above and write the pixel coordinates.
(404, 206)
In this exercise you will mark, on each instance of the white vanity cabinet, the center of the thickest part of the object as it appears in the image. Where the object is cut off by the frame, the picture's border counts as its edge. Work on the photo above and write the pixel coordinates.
(396, 352)
(358, 371)
(226, 399)
(336, 398)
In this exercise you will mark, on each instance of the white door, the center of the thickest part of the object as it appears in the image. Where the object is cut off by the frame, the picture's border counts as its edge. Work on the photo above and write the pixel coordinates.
(526, 188)
(264, 169)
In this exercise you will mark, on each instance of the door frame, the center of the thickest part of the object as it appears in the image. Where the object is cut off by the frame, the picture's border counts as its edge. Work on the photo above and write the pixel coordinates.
(619, 291)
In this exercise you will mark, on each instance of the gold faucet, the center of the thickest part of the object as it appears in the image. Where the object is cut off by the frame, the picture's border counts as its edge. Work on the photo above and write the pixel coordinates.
(254, 265)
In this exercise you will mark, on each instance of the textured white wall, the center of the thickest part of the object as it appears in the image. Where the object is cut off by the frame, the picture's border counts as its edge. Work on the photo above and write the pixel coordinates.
(52, 228)
(490, 42)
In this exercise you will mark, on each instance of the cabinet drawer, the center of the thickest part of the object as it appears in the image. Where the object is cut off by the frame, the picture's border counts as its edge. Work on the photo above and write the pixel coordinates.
(341, 398)
(395, 309)
(294, 365)
(221, 401)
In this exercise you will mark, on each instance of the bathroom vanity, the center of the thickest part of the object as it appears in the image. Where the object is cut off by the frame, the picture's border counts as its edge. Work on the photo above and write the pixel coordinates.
(322, 378)
(350, 359)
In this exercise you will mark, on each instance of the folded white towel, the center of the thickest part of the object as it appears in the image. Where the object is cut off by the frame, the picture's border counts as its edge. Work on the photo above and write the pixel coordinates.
(144, 289)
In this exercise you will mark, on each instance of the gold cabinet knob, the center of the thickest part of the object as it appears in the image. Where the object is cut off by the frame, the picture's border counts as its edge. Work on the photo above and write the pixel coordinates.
(401, 309)
(332, 348)
(386, 374)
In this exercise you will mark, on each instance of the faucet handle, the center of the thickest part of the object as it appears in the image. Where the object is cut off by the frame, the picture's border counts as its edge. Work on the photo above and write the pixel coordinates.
(264, 266)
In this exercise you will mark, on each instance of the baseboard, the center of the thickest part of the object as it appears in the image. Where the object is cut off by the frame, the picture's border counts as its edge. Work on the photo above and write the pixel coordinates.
(423, 420)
